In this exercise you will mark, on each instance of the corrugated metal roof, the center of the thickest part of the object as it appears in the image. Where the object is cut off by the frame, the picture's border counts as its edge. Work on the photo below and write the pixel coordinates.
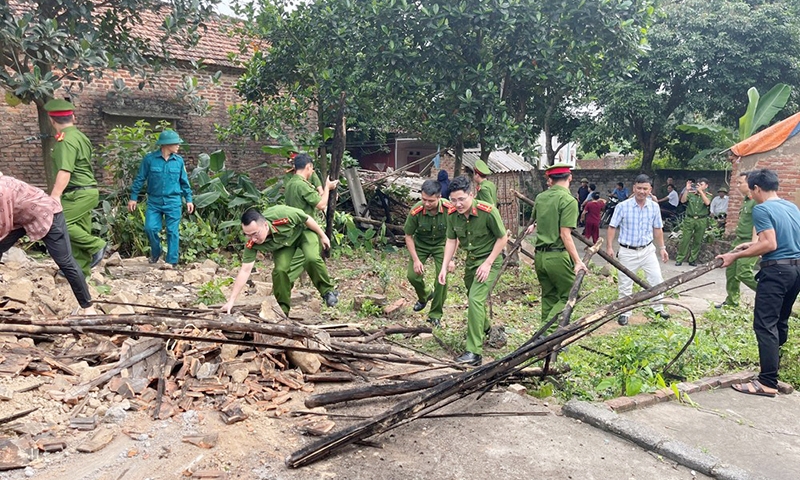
(499, 161)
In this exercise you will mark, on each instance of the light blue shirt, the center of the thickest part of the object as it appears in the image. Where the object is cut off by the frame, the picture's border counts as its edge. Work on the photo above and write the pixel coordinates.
(783, 217)
(636, 223)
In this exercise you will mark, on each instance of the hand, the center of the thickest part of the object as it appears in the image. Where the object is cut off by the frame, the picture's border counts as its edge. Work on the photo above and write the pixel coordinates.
(326, 242)
(132, 206)
(227, 307)
(190, 207)
(727, 259)
(688, 184)
(331, 184)
(451, 267)
(419, 268)
(580, 266)
(482, 273)
(701, 188)
(610, 251)
(664, 255)
(442, 277)
(530, 229)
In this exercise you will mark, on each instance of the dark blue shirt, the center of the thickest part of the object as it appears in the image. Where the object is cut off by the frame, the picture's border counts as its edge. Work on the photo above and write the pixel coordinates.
(783, 217)
(621, 194)
(167, 180)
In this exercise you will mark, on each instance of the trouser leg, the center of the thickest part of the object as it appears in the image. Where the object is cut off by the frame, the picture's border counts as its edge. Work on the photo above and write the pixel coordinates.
(10, 240)
(281, 286)
(153, 223)
(297, 267)
(57, 243)
(418, 280)
(732, 284)
(686, 239)
(777, 285)
(698, 232)
(78, 206)
(439, 290)
(172, 217)
(314, 265)
(556, 276)
(648, 261)
(477, 319)
(625, 283)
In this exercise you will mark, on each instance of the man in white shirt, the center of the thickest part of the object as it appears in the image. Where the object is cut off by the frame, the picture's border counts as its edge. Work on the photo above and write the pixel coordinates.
(671, 200)
(720, 203)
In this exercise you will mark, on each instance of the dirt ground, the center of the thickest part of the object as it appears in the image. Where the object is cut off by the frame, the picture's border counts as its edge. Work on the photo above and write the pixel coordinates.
(546, 445)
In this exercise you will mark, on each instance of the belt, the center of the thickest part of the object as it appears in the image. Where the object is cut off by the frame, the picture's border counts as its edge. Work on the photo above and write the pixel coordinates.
(783, 261)
(629, 247)
(546, 248)
(699, 216)
(73, 189)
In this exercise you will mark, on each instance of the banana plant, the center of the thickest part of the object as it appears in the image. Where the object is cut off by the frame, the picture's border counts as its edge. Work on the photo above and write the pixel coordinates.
(761, 110)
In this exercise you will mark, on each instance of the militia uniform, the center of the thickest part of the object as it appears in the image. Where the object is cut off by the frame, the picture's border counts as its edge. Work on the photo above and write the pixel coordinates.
(555, 208)
(73, 153)
(741, 270)
(486, 191)
(693, 228)
(295, 195)
(429, 231)
(287, 228)
(477, 233)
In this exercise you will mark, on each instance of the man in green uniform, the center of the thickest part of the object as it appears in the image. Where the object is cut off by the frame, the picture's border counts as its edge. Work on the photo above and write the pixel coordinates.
(280, 231)
(300, 193)
(696, 221)
(486, 190)
(426, 230)
(75, 186)
(741, 270)
(555, 214)
(477, 227)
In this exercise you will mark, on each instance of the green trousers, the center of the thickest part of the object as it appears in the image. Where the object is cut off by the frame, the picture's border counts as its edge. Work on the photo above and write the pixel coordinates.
(556, 274)
(78, 206)
(418, 281)
(299, 260)
(692, 231)
(312, 263)
(740, 271)
(477, 314)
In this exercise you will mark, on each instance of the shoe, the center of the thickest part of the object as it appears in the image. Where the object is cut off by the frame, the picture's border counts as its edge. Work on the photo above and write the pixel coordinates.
(98, 256)
(152, 260)
(622, 320)
(723, 305)
(663, 315)
(436, 322)
(421, 305)
(331, 298)
(469, 358)
(678, 264)
(692, 264)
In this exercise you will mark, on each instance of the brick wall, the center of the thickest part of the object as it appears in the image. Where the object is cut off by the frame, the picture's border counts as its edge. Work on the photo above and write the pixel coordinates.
(158, 101)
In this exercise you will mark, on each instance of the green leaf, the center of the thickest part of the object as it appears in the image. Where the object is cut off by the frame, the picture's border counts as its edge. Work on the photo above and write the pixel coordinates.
(770, 104)
(217, 161)
(12, 100)
(746, 120)
(633, 386)
(205, 199)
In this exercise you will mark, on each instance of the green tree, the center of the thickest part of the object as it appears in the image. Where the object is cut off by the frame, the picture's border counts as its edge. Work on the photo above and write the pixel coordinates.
(50, 44)
(703, 54)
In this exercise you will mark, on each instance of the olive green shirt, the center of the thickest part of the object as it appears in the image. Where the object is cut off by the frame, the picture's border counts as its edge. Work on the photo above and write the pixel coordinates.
(429, 229)
(301, 193)
(554, 209)
(477, 230)
(73, 153)
(695, 206)
(487, 192)
(744, 229)
(285, 225)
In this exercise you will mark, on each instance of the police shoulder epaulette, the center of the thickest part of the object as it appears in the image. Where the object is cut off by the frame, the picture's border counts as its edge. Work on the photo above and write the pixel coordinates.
(416, 210)
(281, 221)
(485, 207)
(60, 137)
(451, 209)
(447, 203)
(249, 244)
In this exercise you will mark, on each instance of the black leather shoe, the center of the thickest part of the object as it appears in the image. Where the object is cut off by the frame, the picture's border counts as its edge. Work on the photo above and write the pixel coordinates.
(331, 298)
(622, 320)
(419, 306)
(692, 264)
(98, 256)
(469, 358)
(436, 322)
(152, 260)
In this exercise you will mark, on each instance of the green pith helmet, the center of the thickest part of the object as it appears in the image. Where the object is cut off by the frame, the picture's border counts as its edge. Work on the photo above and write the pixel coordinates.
(169, 137)
(722, 189)
(57, 105)
(482, 168)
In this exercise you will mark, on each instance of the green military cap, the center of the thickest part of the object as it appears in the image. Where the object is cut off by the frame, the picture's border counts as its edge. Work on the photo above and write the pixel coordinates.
(722, 189)
(558, 168)
(482, 168)
(169, 137)
(59, 108)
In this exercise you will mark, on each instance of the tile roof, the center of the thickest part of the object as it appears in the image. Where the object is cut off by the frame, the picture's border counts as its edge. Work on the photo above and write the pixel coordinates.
(499, 161)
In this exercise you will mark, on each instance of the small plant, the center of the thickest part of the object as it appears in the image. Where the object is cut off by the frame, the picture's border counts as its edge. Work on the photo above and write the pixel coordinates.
(210, 293)
(369, 309)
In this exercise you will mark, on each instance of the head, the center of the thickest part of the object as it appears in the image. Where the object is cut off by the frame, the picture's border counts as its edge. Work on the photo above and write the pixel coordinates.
(461, 194)
(254, 226)
(169, 141)
(304, 165)
(431, 193)
(762, 184)
(670, 187)
(596, 196)
(670, 181)
(702, 182)
(61, 113)
(592, 187)
(620, 185)
(584, 182)
(642, 187)
(741, 184)
(442, 176)
(722, 193)
(481, 171)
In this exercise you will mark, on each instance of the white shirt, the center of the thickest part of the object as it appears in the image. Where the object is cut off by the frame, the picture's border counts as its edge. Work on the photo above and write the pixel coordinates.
(636, 223)
(672, 198)
(719, 205)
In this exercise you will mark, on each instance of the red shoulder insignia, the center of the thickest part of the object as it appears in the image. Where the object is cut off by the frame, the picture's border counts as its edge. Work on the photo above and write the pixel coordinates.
(416, 210)
(60, 137)
(451, 209)
(281, 221)
(486, 208)
(249, 244)
(446, 203)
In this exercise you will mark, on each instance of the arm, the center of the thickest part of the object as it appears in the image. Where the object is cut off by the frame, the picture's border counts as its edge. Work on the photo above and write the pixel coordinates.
(138, 182)
(326, 192)
(685, 194)
(610, 236)
(186, 190)
(419, 268)
(62, 180)
(314, 227)
(238, 285)
(658, 236)
(566, 236)
(703, 196)
(482, 273)
(449, 250)
(766, 243)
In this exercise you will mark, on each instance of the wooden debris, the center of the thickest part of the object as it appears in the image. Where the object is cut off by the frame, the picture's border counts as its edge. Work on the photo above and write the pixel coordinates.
(208, 440)
(83, 423)
(209, 475)
(232, 414)
(51, 444)
(99, 441)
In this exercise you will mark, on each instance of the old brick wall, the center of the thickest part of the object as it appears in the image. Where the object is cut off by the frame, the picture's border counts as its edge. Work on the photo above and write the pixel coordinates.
(97, 113)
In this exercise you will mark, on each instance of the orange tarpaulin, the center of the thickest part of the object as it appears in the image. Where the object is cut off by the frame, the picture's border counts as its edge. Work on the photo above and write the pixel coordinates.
(769, 138)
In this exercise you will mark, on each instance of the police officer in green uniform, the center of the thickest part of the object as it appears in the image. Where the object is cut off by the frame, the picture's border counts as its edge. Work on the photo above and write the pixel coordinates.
(555, 214)
(486, 190)
(695, 223)
(280, 231)
(75, 186)
(741, 270)
(300, 193)
(426, 230)
(476, 227)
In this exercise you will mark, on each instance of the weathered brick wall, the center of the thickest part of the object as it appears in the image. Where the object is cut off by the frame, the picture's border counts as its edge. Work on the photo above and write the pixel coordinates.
(24, 160)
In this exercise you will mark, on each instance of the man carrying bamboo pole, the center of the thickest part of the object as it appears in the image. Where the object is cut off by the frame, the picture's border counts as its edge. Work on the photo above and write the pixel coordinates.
(477, 227)
(639, 221)
(777, 224)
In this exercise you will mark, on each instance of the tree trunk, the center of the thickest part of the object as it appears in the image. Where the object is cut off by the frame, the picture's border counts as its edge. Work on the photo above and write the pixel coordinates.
(459, 156)
(48, 141)
(337, 152)
(322, 151)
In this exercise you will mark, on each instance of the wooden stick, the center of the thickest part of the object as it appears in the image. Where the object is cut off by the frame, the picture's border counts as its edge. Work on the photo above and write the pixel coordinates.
(378, 223)
(371, 391)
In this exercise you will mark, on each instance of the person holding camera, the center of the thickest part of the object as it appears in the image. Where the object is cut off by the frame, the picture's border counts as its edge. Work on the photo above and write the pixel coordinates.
(696, 221)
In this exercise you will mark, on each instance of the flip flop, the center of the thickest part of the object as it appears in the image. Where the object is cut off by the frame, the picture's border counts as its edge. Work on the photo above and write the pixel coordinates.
(753, 388)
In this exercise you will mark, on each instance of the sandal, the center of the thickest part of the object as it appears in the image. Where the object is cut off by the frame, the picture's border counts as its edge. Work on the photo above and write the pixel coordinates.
(753, 388)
